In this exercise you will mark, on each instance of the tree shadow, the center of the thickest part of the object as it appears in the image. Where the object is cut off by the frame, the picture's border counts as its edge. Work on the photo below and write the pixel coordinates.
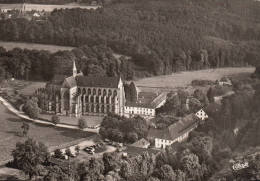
(72, 133)
(15, 120)
(76, 134)
(15, 133)
(9, 178)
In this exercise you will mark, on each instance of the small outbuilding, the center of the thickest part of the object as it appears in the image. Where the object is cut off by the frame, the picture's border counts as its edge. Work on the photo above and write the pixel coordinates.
(142, 143)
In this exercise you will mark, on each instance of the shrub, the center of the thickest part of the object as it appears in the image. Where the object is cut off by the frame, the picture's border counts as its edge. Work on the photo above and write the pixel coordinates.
(132, 137)
(55, 119)
(31, 108)
(77, 149)
(82, 123)
(202, 82)
(58, 154)
(25, 128)
(68, 152)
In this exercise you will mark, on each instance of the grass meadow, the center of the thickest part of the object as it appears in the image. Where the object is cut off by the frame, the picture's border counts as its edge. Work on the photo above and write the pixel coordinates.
(10, 130)
(183, 79)
(46, 7)
(34, 46)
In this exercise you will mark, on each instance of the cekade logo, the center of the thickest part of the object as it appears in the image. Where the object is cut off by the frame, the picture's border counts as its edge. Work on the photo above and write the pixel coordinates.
(239, 166)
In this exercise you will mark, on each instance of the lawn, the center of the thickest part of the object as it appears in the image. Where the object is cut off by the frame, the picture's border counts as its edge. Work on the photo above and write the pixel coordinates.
(90, 120)
(15, 91)
(34, 46)
(46, 7)
(182, 79)
(50, 136)
(31, 87)
(12, 174)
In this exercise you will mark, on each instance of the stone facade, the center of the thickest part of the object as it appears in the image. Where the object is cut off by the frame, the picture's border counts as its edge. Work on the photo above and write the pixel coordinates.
(79, 95)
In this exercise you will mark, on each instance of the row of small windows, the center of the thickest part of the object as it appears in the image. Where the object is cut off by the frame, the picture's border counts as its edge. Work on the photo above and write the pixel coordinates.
(165, 141)
(96, 91)
(98, 99)
(139, 109)
(98, 108)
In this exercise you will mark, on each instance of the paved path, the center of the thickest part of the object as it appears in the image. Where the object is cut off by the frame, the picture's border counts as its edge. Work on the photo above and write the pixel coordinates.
(22, 115)
(81, 144)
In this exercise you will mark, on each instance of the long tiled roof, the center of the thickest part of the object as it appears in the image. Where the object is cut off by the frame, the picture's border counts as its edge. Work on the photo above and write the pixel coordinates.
(135, 151)
(147, 100)
(175, 130)
(70, 82)
(58, 79)
(86, 81)
(140, 143)
(91, 81)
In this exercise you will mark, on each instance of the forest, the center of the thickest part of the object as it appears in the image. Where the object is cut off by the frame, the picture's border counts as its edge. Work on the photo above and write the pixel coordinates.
(204, 156)
(49, 1)
(160, 37)
(42, 65)
(37, 1)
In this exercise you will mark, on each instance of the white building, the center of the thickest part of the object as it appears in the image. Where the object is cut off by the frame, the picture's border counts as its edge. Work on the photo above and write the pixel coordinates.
(224, 81)
(218, 99)
(145, 107)
(142, 111)
(201, 115)
(176, 132)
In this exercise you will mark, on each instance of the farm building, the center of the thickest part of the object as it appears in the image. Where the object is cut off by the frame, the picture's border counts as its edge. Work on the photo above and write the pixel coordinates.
(176, 132)
(142, 143)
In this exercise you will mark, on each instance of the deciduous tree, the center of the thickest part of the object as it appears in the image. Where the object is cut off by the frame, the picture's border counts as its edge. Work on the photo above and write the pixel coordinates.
(29, 155)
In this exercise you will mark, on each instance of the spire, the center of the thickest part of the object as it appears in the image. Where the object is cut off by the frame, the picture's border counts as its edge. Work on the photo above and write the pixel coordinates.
(75, 72)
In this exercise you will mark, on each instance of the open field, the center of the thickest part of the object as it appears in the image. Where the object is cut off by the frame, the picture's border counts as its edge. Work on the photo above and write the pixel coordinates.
(45, 7)
(16, 91)
(11, 127)
(182, 79)
(34, 46)
(31, 88)
(12, 174)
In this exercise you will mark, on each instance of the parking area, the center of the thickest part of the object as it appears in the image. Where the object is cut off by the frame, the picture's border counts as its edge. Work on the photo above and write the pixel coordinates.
(86, 155)
(93, 147)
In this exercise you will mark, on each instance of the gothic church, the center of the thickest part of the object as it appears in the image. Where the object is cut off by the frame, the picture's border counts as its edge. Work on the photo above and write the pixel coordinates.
(79, 95)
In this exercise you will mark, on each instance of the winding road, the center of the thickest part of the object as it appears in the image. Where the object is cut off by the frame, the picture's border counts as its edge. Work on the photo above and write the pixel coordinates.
(22, 115)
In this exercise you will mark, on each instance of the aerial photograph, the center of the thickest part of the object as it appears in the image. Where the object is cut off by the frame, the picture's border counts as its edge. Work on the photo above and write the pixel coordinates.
(129, 90)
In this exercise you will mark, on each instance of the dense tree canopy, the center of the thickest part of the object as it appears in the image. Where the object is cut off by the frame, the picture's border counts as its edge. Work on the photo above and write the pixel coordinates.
(123, 129)
(160, 37)
(29, 155)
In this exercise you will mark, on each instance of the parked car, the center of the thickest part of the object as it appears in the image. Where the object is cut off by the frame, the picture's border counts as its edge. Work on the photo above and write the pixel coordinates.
(90, 152)
(119, 149)
(97, 126)
(106, 140)
(89, 149)
(100, 144)
(124, 155)
(119, 145)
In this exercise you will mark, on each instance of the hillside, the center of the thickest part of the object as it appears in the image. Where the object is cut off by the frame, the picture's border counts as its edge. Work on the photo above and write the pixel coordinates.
(33, 46)
(37, 1)
(161, 36)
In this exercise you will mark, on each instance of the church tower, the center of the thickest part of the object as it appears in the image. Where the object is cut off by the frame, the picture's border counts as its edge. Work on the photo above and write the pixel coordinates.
(75, 72)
